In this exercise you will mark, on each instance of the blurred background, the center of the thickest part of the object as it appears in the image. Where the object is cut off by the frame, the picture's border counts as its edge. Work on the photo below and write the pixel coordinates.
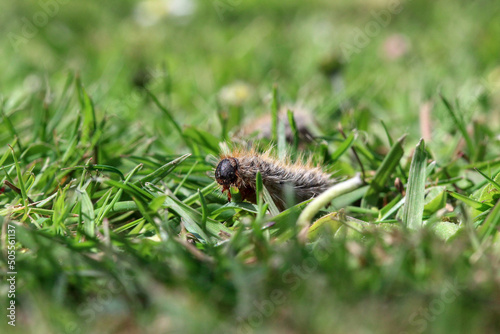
(381, 56)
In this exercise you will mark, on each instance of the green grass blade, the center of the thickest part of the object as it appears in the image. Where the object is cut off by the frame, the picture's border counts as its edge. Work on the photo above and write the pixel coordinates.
(169, 116)
(462, 127)
(269, 200)
(414, 201)
(20, 180)
(492, 182)
(181, 184)
(146, 213)
(389, 138)
(89, 124)
(127, 226)
(6, 120)
(342, 148)
(243, 206)
(203, 138)
(131, 189)
(295, 132)
(388, 213)
(204, 211)
(87, 213)
(162, 172)
(470, 202)
(120, 207)
(389, 164)
(491, 223)
(207, 190)
(193, 218)
(389, 207)
(6, 155)
(100, 168)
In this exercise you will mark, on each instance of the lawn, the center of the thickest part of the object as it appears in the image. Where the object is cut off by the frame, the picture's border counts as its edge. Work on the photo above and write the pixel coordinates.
(113, 118)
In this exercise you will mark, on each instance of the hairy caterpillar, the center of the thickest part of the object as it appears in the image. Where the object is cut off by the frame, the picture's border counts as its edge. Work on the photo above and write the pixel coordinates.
(239, 169)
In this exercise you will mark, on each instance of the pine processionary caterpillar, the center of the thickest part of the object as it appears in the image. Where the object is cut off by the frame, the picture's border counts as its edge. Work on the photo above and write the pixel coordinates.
(239, 169)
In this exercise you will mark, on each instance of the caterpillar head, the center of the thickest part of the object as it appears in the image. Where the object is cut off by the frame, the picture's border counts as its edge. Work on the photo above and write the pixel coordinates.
(226, 173)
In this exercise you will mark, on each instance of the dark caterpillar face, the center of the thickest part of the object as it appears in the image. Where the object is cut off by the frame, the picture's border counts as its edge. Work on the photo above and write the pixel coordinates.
(226, 172)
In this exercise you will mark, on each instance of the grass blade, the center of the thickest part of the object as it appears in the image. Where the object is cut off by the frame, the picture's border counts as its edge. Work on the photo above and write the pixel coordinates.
(100, 168)
(169, 116)
(413, 209)
(10, 127)
(89, 124)
(163, 171)
(389, 164)
(192, 219)
(470, 202)
(20, 180)
(204, 211)
(459, 123)
(491, 222)
(492, 182)
(295, 132)
(87, 213)
(203, 138)
(342, 148)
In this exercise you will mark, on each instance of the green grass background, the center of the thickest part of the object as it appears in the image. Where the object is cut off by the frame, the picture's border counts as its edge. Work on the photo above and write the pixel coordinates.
(103, 255)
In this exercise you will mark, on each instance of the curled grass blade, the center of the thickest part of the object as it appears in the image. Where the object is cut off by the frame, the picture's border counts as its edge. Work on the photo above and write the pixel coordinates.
(319, 202)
